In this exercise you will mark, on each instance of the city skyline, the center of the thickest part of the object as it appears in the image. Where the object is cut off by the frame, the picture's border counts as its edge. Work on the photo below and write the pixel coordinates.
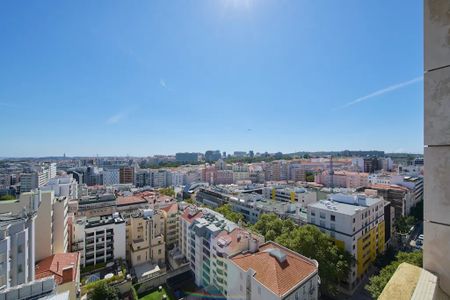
(161, 77)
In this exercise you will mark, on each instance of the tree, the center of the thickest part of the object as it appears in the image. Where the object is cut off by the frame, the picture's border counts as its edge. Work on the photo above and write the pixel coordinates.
(334, 263)
(270, 226)
(378, 282)
(7, 197)
(309, 176)
(103, 291)
(167, 191)
(229, 214)
(403, 224)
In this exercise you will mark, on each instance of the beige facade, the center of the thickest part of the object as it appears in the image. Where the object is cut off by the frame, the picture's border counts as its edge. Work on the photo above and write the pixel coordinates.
(171, 225)
(437, 140)
(145, 238)
(51, 221)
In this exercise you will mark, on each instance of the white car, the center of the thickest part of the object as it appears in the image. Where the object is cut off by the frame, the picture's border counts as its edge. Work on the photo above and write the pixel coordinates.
(421, 237)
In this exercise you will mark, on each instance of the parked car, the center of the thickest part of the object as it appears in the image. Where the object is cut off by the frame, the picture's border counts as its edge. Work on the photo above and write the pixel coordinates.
(421, 237)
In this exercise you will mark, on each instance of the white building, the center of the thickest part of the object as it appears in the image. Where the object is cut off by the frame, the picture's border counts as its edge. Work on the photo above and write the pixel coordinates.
(175, 178)
(214, 247)
(111, 177)
(63, 186)
(285, 194)
(51, 220)
(99, 239)
(159, 178)
(17, 243)
(356, 222)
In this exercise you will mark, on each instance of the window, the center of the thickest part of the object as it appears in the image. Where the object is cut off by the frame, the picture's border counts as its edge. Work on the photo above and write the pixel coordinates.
(19, 249)
(322, 215)
(159, 251)
(354, 220)
(333, 218)
(139, 258)
(19, 269)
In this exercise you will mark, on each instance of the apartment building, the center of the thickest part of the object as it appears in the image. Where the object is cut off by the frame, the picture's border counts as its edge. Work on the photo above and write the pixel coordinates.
(62, 186)
(342, 179)
(290, 194)
(126, 175)
(401, 198)
(145, 238)
(413, 183)
(65, 269)
(171, 222)
(356, 222)
(233, 261)
(205, 240)
(99, 239)
(17, 247)
(51, 220)
(111, 177)
(272, 272)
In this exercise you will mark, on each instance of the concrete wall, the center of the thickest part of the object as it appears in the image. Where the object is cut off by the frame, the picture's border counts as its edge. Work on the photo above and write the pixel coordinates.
(437, 140)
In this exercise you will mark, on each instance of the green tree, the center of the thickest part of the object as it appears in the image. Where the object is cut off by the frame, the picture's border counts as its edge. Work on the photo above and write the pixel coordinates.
(229, 214)
(167, 191)
(334, 263)
(309, 176)
(7, 197)
(378, 282)
(403, 224)
(103, 291)
(271, 226)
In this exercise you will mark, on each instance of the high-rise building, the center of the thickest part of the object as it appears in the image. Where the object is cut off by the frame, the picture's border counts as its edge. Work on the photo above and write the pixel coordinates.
(212, 155)
(17, 246)
(356, 222)
(111, 177)
(99, 239)
(126, 175)
(187, 157)
(51, 220)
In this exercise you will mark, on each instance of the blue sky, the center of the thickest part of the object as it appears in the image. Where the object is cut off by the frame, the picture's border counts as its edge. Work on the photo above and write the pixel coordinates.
(159, 77)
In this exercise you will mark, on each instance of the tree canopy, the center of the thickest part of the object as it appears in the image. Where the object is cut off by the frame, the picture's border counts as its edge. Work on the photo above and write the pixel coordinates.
(103, 291)
(229, 214)
(308, 240)
(169, 191)
(7, 197)
(403, 224)
(378, 282)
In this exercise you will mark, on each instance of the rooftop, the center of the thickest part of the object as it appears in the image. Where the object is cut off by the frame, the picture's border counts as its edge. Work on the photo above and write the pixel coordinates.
(345, 204)
(55, 265)
(277, 268)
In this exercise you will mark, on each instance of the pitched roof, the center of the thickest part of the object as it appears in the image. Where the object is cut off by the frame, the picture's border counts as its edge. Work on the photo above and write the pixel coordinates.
(278, 277)
(55, 264)
(172, 208)
(191, 217)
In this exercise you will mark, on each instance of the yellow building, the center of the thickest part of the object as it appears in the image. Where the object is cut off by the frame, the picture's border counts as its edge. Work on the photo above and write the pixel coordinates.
(356, 223)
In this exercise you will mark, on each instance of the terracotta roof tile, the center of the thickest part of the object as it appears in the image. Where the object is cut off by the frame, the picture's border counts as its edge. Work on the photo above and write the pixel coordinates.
(55, 264)
(277, 277)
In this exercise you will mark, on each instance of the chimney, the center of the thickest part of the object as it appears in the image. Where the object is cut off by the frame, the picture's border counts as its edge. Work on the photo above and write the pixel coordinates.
(67, 274)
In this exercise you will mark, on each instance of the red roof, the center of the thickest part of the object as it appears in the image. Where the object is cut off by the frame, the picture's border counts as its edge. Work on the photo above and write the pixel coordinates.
(190, 218)
(278, 277)
(172, 208)
(55, 265)
(129, 200)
